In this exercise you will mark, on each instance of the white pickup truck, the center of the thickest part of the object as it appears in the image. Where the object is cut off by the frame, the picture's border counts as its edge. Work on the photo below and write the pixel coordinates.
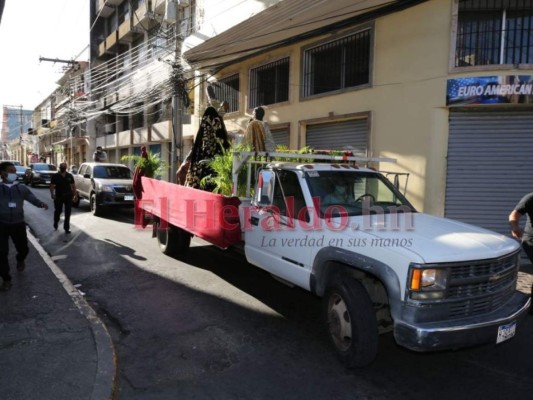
(345, 233)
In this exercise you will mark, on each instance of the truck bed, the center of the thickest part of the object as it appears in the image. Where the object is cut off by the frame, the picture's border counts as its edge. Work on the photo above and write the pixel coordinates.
(210, 216)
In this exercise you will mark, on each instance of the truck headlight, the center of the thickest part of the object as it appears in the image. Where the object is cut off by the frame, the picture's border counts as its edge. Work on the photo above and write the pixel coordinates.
(427, 283)
(107, 188)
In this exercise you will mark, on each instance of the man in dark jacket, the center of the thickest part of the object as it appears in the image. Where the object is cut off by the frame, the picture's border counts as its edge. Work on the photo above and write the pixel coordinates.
(62, 190)
(524, 206)
(12, 224)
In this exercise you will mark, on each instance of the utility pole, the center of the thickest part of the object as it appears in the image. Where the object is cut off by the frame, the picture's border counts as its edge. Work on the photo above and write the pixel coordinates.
(177, 106)
(70, 114)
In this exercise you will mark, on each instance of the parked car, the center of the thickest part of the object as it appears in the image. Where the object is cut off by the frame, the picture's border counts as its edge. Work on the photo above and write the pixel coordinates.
(14, 162)
(40, 174)
(104, 185)
(21, 172)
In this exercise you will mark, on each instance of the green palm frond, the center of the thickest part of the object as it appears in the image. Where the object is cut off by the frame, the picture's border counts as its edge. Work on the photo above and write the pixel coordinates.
(153, 166)
(222, 166)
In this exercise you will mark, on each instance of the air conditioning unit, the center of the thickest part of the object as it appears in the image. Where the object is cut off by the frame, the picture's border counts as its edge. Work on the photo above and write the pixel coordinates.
(182, 3)
(109, 128)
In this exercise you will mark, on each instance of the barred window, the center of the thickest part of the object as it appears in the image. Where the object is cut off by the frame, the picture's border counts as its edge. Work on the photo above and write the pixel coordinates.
(227, 89)
(493, 32)
(269, 83)
(336, 65)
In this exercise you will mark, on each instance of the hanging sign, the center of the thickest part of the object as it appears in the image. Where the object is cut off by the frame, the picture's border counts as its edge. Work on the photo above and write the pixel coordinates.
(509, 89)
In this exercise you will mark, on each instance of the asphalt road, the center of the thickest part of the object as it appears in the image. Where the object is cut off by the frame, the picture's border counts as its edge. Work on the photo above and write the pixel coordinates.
(215, 327)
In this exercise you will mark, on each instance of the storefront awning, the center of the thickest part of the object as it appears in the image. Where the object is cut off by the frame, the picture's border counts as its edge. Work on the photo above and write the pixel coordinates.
(287, 22)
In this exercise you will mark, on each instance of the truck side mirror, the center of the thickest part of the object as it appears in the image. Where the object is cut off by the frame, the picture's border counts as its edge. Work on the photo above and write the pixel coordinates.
(264, 190)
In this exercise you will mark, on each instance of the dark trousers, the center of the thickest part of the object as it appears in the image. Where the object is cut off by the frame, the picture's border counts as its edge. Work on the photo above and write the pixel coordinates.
(527, 245)
(59, 201)
(17, 233)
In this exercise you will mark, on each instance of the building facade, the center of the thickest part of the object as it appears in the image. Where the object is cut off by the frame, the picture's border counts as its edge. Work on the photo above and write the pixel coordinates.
(16, 122)
(443, 86)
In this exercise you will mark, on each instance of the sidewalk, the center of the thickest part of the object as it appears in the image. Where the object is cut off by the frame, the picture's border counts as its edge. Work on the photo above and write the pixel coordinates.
(52, 344)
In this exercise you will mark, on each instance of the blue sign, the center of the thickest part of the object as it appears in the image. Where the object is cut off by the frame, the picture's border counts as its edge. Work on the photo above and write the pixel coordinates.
(510, 89)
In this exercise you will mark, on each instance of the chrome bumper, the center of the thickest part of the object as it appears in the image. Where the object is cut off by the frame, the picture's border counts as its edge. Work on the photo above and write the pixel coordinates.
(461, 333)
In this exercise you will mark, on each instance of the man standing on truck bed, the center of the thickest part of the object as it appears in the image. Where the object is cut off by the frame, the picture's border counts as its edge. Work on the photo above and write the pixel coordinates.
(99, 155)
(62, 190)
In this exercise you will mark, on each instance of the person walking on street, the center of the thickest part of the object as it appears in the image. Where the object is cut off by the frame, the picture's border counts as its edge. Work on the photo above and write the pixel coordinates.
(12, 224)
(62, 190)
(524, 206)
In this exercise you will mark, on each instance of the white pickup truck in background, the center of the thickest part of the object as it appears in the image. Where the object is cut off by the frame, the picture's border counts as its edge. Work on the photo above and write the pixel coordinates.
(377, 263)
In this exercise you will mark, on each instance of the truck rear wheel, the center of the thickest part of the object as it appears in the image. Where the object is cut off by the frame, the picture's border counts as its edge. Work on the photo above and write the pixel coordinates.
(351, 321)
(173, 241)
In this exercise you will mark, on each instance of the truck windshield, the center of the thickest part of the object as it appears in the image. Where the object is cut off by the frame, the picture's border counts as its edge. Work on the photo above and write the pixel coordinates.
(44, 167)
(112, 172)
(354, 192)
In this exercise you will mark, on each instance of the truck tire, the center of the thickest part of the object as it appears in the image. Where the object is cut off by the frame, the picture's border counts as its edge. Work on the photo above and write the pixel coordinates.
(95, 208)
(173, 241)
(351, 321)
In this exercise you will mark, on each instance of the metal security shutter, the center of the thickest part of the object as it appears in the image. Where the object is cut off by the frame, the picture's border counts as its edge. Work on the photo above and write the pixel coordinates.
(490, 166)
(339, 135)
(281, 136)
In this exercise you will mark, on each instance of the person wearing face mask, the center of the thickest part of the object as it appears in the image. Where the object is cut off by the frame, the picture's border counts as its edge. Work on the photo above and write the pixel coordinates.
(12, 224)
(63, 191)
(339, 194)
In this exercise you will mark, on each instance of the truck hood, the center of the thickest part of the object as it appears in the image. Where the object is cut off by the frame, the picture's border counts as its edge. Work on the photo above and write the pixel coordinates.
(116, 182)
(434, 239)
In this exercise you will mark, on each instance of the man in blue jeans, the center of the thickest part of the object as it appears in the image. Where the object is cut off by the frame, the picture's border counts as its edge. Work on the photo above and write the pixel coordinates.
(62, 190)
(12, 224)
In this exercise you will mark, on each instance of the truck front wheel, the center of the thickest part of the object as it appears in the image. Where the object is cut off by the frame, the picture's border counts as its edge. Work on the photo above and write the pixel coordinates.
(173, 241)
(96, 209)
(351, 321)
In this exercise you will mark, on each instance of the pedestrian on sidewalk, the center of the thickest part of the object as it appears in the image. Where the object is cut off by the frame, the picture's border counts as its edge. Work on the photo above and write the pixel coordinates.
(524, 206)
(12, 224)
(63, 191)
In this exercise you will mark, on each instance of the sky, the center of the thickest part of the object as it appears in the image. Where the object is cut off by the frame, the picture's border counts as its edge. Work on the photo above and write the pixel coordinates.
(39, 28)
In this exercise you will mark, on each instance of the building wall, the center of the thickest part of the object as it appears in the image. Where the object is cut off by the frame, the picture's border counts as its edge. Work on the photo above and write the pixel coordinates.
(406, 101)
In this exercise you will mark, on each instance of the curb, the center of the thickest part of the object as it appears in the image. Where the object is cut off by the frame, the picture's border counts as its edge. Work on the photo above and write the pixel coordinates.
(106, 370)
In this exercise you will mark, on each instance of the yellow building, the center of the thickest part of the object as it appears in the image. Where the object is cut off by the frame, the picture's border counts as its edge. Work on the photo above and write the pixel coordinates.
(443, 86)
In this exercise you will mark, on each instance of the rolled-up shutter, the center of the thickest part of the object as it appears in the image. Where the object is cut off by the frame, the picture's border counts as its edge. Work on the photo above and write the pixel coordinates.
(339, 136)
(490, 166)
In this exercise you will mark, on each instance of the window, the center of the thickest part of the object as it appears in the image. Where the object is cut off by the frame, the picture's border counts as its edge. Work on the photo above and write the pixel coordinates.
(288, 196)
(341, 64)
(493, 32)
(269, 83)
(227, 89)
(112, 172)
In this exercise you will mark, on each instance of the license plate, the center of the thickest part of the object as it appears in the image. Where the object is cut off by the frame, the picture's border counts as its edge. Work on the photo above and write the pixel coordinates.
(47, 181)
(128, 197)
(506, 332)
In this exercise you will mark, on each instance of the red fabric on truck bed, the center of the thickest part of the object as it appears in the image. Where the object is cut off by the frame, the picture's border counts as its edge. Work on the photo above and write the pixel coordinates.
(210, 216)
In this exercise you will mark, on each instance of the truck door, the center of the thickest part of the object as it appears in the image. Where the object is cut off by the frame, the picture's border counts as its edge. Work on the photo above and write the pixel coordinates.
(276, 238)
(82, 182)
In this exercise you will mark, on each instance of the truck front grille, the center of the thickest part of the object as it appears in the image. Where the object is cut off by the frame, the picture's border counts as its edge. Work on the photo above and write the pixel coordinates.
(123, 189)
(481, 287)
